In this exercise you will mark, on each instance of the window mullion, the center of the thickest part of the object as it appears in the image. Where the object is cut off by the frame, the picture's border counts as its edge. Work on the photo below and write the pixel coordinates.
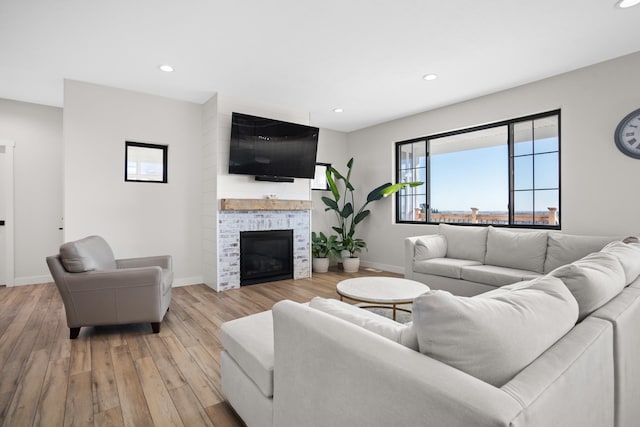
(511, 145)
(427, 175)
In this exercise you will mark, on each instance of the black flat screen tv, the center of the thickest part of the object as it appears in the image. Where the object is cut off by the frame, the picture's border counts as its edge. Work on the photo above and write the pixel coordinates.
(272, 149)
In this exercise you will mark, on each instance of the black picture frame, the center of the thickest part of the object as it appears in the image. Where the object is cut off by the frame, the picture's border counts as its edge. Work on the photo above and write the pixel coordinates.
(154, 170)
(319, 182)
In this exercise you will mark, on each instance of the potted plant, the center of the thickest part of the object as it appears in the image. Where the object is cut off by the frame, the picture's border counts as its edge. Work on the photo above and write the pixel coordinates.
(343, 205)
(351, 263)
(323, 249)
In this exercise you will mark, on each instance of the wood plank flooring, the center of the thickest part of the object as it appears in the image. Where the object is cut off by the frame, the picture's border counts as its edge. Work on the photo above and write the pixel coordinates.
(125, 375)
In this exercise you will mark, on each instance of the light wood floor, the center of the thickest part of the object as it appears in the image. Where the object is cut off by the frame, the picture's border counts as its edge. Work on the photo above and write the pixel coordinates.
(125, 375)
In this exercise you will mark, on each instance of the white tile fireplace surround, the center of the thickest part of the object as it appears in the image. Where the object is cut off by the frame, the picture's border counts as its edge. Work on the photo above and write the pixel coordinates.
(232, 222)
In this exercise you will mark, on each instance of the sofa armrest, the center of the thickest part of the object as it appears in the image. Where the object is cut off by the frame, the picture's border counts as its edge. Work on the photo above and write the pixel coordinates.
(162, 261)
(409, 251)
(113, 279)
(419, 248)
(330, 372)
(572, 383)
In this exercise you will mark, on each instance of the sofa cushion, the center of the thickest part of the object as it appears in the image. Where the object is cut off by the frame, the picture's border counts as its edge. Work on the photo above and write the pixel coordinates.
(427, 247)
(447, 267)
(523, 251)
(496, 276)
(565, 248)
(90, 253)
(593, 280)
(493, 337)
(465, 242)
(249, 341)
(373, 322)
(629, 257)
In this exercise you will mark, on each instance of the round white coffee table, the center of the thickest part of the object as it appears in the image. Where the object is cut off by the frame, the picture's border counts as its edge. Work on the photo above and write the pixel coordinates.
(385, 292)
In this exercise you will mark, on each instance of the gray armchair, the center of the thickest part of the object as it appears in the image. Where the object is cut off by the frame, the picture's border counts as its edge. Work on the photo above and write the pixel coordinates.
(98, 289)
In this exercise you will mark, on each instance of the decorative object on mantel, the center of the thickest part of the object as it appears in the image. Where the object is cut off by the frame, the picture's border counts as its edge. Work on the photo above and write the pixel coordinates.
(264, 205)
(343, 207)
(323, 250)
(271, 197)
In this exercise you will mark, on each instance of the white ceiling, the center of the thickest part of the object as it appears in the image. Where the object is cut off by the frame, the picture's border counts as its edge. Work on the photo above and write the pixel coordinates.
(365, 56)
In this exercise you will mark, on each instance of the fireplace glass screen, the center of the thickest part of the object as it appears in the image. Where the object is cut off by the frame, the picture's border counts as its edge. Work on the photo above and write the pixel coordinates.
(265, 256)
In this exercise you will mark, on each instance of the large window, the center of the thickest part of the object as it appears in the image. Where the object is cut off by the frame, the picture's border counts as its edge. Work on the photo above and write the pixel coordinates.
(505, 173)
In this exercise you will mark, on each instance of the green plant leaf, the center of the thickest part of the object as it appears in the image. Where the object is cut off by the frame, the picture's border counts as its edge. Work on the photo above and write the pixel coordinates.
(332, 184)
(394, 188)
(352, 229)
(348, 180)
(347, 210)
(377, 193)
(332, 204)
(337, 230)
(337, 174)
(361, 215)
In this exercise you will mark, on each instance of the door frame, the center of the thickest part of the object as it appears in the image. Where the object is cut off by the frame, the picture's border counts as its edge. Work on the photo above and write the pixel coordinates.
(7, 179)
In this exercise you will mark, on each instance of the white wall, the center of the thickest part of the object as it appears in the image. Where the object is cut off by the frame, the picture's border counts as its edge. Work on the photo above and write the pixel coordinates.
(137, 219)
(598, 183)
(332, 148)
(37, 132)
(210, 191)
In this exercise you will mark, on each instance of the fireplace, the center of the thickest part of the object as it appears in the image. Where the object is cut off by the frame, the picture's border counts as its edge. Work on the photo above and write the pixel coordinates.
(232, 222)
(265, 256)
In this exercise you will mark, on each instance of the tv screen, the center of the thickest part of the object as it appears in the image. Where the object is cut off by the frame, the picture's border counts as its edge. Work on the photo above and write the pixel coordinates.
(272, 148)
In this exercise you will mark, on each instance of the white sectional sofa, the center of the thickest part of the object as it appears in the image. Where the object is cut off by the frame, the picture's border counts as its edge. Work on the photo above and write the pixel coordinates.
(558, 350)
(468, 260)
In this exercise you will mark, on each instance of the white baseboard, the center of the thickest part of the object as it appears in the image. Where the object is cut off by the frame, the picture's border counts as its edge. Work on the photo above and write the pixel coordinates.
(383, 267)
(32, 280)
(186, 281)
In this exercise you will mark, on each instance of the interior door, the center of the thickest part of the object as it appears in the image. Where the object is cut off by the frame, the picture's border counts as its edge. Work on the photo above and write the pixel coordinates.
(3, 208)
(6, 213)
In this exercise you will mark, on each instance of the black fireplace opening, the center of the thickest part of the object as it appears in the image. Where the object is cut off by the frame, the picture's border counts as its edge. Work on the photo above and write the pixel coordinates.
(265, 256)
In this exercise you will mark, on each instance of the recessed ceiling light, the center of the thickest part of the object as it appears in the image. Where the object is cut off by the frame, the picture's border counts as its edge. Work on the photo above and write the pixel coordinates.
(166, 68)
(430, 77)
(623, 4)
(338, 110)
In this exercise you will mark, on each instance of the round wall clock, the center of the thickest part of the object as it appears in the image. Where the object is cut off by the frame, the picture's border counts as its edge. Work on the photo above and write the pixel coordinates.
(627, 134)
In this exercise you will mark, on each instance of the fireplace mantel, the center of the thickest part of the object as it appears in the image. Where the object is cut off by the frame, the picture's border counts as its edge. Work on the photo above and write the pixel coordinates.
(264, 205)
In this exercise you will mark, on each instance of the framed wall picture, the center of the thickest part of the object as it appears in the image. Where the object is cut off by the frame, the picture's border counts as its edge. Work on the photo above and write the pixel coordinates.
(145, 162)
(319, 182)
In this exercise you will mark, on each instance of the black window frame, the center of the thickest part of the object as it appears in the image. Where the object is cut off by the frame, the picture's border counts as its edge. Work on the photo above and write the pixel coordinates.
(165, 158)
(510, 158)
